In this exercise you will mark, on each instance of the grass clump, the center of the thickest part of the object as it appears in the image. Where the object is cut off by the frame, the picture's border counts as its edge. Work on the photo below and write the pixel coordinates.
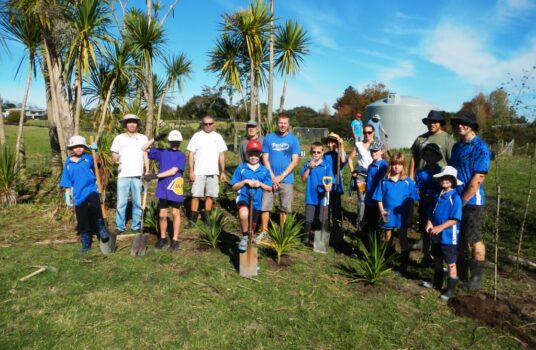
(375, 265)
(8, 176)
(285, 237)
(209, 232)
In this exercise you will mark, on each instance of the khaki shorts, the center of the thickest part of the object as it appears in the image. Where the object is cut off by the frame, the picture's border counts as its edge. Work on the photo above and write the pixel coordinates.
(206, 186)
(285, 192)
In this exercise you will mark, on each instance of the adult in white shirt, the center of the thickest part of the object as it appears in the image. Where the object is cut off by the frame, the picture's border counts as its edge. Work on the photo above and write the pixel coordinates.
(127, 150)
(206, 162)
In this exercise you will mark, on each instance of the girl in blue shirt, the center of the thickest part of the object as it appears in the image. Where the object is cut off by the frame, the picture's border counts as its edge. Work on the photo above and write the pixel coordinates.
(395, 195)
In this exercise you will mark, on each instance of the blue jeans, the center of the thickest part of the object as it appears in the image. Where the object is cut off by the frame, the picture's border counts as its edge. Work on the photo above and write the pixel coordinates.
(125, 186)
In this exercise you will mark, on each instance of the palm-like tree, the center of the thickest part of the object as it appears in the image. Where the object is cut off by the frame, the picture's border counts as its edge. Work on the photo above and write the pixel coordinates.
(146, 37)
(25, 30)
(177, 68)
(291, 44)
(89, 19)
(271, 68)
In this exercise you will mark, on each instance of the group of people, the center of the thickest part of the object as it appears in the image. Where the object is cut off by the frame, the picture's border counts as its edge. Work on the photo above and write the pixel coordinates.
(444, 176)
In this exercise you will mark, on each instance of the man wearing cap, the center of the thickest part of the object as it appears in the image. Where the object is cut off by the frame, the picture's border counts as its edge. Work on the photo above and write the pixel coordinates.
(376, 123)
(357, 127)
(471, 157)
(127, 151)
(435, 134)
(252, 133)
(280, 156)
(206, 162)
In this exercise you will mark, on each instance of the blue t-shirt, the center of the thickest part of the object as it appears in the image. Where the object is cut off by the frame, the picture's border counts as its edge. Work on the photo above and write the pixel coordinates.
(378, 126)
(331, 158)
(170, 188)
(244, 172)
(280, 150)
(375, 172)
(314, 188)
(357, 128)
(397, 198)
(447, 206)
(80, 176)
(471, 158)
(427, 186)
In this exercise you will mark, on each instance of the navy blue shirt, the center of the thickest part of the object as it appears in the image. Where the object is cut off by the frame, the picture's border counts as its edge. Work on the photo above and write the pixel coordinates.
(80, 176)
(331, 157)
(447, 206)
(471, 158)
(280, 150)
(397, 198)
(314, 188)
(427, 186)
(375, 172)
(244, 172)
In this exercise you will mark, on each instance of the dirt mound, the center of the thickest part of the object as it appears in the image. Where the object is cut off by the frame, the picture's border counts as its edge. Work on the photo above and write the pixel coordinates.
(512, 317)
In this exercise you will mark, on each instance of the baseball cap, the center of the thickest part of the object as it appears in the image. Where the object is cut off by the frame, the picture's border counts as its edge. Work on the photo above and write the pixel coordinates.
(175, 135)
(254, 146)
(251, 123)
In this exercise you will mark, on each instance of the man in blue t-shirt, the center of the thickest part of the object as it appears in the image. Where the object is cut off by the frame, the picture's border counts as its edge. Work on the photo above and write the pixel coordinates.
(357, 127)
(280, 155)
(471, 157)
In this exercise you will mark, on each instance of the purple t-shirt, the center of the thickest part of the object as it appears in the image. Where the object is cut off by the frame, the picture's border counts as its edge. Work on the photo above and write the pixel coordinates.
(171, 187)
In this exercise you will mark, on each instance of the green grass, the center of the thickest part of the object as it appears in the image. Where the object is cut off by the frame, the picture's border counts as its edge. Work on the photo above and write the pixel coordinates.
(196, 299)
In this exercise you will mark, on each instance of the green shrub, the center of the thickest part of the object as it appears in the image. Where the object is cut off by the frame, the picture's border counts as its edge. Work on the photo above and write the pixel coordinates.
(151, 218)
(8, 176)
(284, 238)
(211, 231)
(14, 118)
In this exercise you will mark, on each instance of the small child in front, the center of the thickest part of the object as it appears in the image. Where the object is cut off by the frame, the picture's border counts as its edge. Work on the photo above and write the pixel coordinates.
(443, 225)
(170, 187)
(80, 183)
(250, 179)
(395, 195)
(312, 174)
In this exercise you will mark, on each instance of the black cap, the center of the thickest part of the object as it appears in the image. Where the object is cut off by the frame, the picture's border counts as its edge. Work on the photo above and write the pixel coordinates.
(466, 117)
(434, 148)
(434, 116)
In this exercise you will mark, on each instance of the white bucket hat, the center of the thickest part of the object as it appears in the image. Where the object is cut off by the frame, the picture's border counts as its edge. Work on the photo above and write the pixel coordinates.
(77, 140)
(449, 171)
(130, 117)
(376, 116)
(174, 135)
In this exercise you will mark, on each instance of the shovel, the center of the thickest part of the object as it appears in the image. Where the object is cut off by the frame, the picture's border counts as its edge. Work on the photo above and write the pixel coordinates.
(108, 247)
(139, 244)
(39, 270)
(248, 259)
(321, 241)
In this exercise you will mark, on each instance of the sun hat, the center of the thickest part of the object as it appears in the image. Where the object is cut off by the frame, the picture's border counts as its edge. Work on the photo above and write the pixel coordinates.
(376, 145)
(174, 135)
(434, 148)
(254, 146)
(450, 172)
(130, 117)
(434, 116)
(467, 117)
(251, 123)
(376, 116)
(77, 140)
(331, 137)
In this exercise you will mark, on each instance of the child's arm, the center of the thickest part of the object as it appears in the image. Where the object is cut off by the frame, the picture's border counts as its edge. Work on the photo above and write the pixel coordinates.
(241, 184)
(307, 170)
(353, 153)
(435, 230)
(382, 209)
(145, 148)
(429, 226)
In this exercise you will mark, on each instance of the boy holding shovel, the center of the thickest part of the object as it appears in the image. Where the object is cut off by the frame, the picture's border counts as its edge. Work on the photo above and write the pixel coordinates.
(250, 179)
(80, 183)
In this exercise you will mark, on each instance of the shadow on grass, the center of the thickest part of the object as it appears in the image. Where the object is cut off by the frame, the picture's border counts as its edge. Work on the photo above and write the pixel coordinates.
(228, 245)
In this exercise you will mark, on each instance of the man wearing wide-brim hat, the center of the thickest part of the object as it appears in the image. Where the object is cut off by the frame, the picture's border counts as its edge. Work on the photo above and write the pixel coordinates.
(127, 150)
(471, 157)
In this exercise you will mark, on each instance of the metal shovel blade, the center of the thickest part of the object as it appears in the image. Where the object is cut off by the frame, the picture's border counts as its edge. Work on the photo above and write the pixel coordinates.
(139, 245)
(108, 247)
(248, 262)
(321, 241)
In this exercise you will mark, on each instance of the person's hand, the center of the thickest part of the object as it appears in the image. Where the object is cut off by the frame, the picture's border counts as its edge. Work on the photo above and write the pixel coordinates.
(311, 164)
(192, 176)
(355, 174)
(436, 230)
(255, 183)
(150, 177)
(279, 178)
(68, 199)
(327, 188)
(161, 136)
(93, 147)
(429, 227)
(223, 177)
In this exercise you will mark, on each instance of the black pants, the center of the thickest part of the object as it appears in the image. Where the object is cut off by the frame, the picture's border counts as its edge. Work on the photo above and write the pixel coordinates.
(335, 206)
(87, 213)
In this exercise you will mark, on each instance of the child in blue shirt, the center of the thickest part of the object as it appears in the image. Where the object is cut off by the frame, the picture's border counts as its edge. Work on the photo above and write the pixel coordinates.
(170, 187)
(444, 226)
(375, 172)
(428, 188)
(395, 195)
(250, 179)
(312, 173)
(80, 183)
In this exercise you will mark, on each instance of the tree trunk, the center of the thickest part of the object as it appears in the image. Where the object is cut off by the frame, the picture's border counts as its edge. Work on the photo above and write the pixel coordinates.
(258, 106)
(2, 131)
(271, 68)
(282, 102)
(149, 100)
(160, 110)
(104, 111)
(18, 146)
(252, 88)
(244, 102)
(78, 103)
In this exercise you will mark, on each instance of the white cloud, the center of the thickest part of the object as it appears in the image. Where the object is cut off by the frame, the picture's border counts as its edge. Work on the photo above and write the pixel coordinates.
(513, 9)
(400, 70)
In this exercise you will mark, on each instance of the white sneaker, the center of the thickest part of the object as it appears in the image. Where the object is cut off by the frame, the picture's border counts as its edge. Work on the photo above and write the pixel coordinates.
(261, 237)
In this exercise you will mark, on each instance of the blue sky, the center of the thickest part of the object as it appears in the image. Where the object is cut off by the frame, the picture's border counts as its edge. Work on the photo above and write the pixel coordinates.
(445, 52)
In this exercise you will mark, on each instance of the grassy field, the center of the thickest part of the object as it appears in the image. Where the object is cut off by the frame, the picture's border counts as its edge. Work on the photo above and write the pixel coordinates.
(196, 299)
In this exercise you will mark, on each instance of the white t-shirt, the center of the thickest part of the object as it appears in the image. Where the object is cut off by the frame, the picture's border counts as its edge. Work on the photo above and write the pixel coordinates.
(130, 154)
(207, 148)
(364, 158)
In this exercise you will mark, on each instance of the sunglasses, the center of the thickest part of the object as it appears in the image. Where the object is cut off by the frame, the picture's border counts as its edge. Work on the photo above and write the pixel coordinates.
(459, 122)
(208, 124)
(368, 132)
(316, 152)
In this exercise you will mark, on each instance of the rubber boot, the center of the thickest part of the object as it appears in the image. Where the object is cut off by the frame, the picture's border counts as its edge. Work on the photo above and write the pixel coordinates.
(305, 237)
(204, 216)
(103, 233)
(438, 279)
(404, 262)
(85, 239)
(390, 251)
(451, 289)
(193, 218)
(476, 268)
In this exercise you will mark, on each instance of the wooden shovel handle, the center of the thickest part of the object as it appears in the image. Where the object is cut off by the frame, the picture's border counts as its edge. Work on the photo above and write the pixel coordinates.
(99, 185)
(36, 272)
